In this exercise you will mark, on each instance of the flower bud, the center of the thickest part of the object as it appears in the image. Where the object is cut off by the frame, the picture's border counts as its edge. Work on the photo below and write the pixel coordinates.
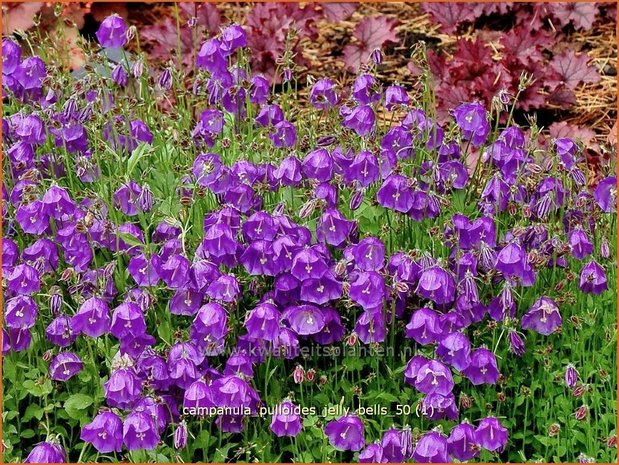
(581, 412)
(180, 436)
(579, 390)
(571, 376)
(145, 199)
(376, 56)
(131, 32)
(119, 76)
(356, 199)
(604, 248)
(55, 303)
(287, 75)
(554, 430)
(165, 79)
(352, 339)
(137, 69)
(298, 375)
(47, 355)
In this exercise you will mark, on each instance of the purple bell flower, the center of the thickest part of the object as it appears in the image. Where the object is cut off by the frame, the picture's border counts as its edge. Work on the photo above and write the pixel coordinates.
(434, 377)
(47, 452)
(60, 331)
(225, 288)
(361, 119)
(23, 279)
(516, 344)
(395, 95)
(513, 263)
(473, 120)
(396, 445)
(289, 172)
(346, 433)
(183, 361)
(322, 95)
(491, 435)
(304, 319)
(127, 320)
(32, 218)
(373, 453)
(65, 366)
(120, 76)
(454, 349)
(396, 194)
(461, 443)
(333, 331)
(368, 290)
(211, 57)
(92, 318)
(123, 388)
(284, 135)
(16, 339)
(412, 368)
(436, 406)
(431, 448)
(363, 89)
(438, 285)
(424, 327)
(104, 432)
(483, 368)
(593, 278)
(369, 254)
(364, 169)
(318, 165)
(140, 431)
(543, 317)
(605, 194)
(180, 435)
(112, 32)
(11, 55)
(20, 312)
(144, 270)
(333, 228)
(175, 271)
(233, 37)
(285, 420)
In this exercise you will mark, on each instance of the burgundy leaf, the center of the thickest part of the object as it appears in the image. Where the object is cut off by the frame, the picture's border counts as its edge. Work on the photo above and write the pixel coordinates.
(525, 44)
(574, 69)
(372, 32)
(20, 16)
(580, 14)
(563, 97)
(451, 14)
(338, 11)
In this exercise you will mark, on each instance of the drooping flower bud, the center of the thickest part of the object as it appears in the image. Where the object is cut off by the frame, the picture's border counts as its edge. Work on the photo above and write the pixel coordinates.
(180, 435)
(571, 376)
(298, 374)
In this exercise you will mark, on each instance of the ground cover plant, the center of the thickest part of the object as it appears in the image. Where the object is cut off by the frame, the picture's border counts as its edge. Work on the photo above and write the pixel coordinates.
(197, 267)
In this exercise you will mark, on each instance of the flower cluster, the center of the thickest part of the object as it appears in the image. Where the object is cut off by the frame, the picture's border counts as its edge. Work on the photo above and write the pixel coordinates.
(272, 252)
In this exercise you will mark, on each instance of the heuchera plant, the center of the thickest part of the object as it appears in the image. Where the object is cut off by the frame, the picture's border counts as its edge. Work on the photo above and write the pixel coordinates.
(531, 45)
(233, 278)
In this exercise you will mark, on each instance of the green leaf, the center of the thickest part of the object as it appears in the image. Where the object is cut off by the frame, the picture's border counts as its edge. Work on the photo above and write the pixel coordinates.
(38, 389)
(76, 404)
(142, 150)
(33, 411)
